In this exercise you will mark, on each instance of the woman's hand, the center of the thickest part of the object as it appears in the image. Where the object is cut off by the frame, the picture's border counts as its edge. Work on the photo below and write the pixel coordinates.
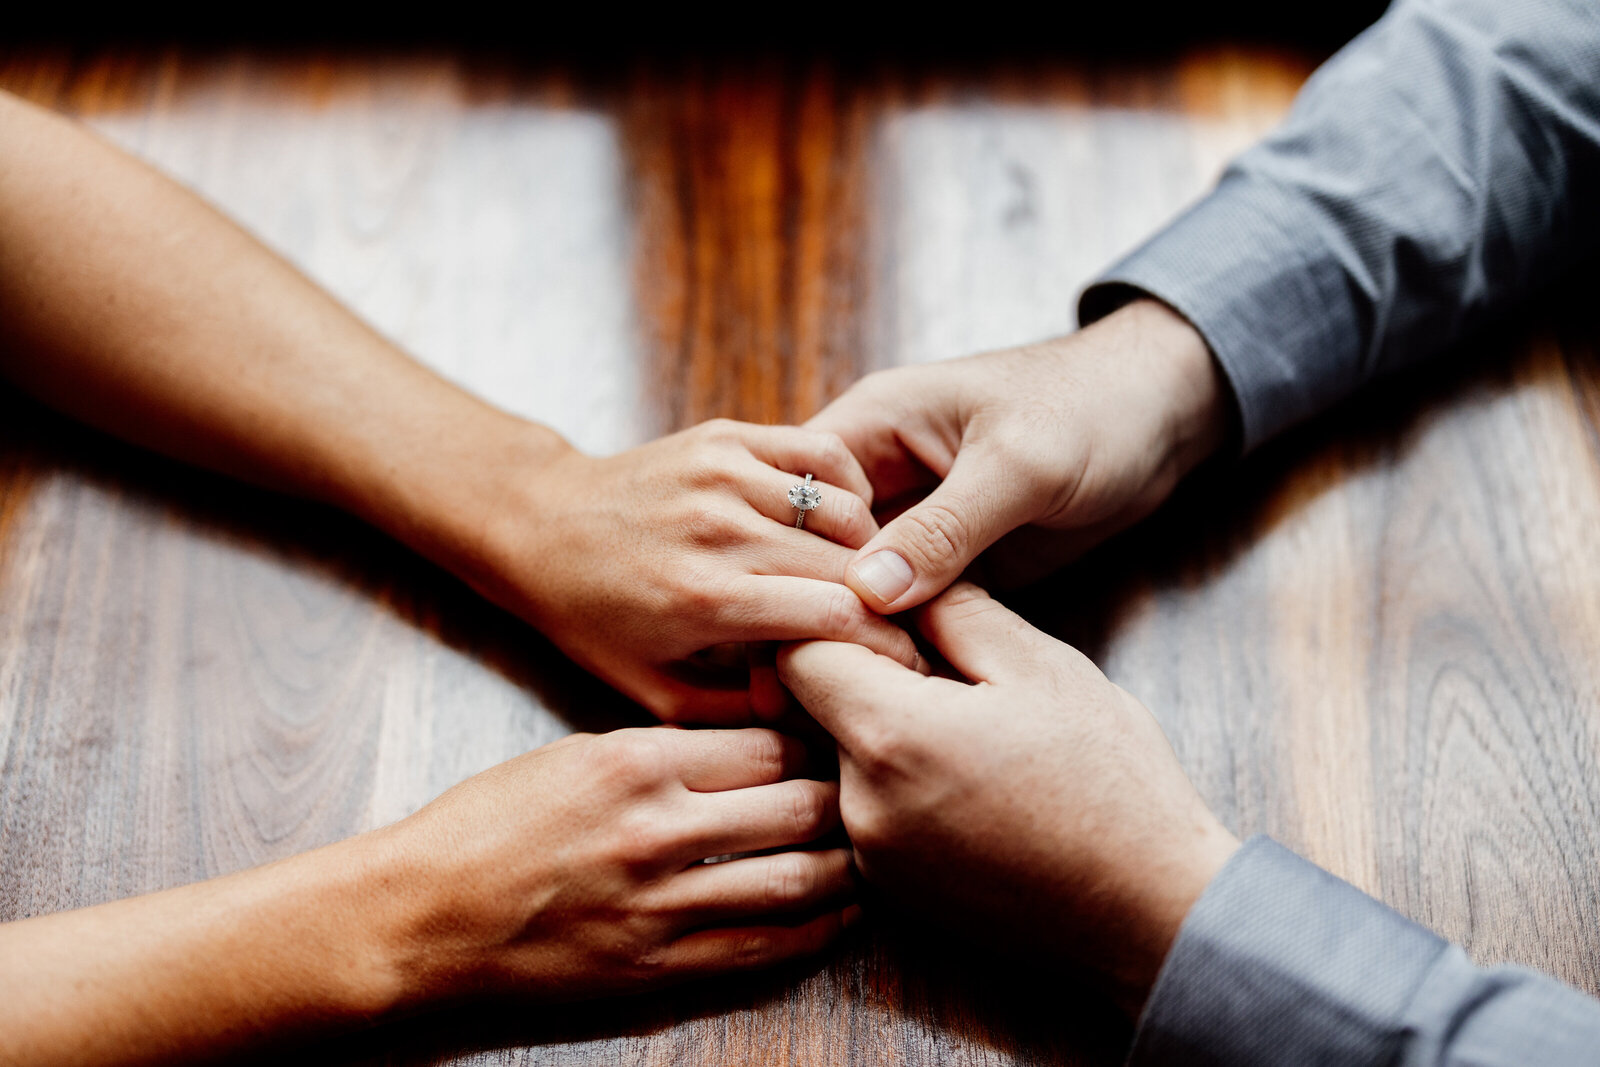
(638, 563)
(576, 870)
(568, 872)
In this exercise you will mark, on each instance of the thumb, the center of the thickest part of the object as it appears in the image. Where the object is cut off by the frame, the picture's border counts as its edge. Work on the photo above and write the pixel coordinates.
(930, 544)
(845, 687)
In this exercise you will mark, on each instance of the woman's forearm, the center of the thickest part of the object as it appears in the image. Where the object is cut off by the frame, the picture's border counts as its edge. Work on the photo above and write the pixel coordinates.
(529, 880)
(128, 303)
(310, 943)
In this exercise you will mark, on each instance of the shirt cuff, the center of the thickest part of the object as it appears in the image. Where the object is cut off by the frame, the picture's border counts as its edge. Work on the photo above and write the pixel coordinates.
(1249, 270)
(1280, 962)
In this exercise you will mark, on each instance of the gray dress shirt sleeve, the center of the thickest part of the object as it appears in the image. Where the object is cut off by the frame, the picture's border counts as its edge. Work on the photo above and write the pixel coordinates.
(1437, 169)
(1280, 962)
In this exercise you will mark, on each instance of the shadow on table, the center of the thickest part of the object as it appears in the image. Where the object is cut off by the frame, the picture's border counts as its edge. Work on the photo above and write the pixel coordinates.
(316, 540)
(1220, 513)
(899, 993)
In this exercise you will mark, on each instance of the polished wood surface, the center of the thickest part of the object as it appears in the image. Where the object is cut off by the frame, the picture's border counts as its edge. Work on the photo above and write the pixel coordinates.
(1372, 641)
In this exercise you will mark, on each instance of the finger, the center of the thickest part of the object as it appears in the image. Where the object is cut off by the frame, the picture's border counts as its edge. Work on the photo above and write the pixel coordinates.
(785, 883)
(674, 700)
(980, 637)
(769, 700)
(928, 546)
(849, 689)
(841, 517)
(873, 424)
(801, 451)
(711, 760)
(765, 816)
(743, 948)
(780, 550)
(783, 608)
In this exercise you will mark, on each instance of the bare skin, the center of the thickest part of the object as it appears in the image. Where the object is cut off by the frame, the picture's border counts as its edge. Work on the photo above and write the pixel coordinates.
(1052, 791)
(572, 871)
(1040, 451)
(128, 303)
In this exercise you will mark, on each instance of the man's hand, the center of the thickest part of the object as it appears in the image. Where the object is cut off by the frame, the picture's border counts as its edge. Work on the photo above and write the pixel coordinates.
(1039, 808)
(1065, 442)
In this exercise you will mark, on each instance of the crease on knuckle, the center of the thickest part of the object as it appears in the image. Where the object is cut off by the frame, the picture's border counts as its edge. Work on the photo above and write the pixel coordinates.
(936, 533)
(764, 753)
(833, 453)
(843, 616)
(791, 881)
(854, 519)
(807, 811)
(753, 949)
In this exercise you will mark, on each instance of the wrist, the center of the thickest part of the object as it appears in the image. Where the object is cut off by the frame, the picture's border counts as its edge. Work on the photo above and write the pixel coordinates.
(449, 498)
(1169, 884)
(1191, 395)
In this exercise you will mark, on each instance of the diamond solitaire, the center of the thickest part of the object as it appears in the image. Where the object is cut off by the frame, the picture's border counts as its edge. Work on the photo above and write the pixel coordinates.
(804, 497)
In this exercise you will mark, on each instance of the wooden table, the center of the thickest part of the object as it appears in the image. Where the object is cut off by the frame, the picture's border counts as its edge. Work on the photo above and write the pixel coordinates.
(1373, 641)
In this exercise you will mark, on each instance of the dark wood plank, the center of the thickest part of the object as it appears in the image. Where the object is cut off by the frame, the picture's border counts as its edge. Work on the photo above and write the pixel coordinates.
(1371, 641)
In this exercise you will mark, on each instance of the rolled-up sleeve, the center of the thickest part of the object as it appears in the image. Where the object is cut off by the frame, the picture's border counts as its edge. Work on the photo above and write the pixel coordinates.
(1439, 168)
(1280, 962)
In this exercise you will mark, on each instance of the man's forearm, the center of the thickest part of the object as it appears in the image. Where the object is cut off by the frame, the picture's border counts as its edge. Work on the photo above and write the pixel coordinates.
(1280, 962)
(128, 303)
(1431, 175)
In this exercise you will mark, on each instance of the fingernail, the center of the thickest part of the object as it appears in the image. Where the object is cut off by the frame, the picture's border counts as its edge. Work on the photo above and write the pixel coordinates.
(886, 575)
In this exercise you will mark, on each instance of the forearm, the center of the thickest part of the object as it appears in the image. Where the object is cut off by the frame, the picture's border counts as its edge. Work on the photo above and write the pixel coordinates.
(128, 303)
(1280, 962)
(313, 943)
(1429, 177)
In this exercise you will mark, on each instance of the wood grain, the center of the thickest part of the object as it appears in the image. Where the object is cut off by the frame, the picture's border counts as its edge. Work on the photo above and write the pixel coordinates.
(1373, 640)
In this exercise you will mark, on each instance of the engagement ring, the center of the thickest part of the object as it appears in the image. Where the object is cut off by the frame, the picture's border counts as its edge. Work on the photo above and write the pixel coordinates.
(804, 498)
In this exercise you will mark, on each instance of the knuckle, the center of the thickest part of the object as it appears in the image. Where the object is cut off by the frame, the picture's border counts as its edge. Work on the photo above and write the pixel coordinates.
(630, 758)
(718, 429)
(711, 523)
(843, 615)
(935, 533)
(699, 596)
(808, 809)
(753, 950)
(764, 753)
(645, 966)
(872, 828)
(641, 837)
(878, 748)
(791, 880)
(832, 452)
(854, 518)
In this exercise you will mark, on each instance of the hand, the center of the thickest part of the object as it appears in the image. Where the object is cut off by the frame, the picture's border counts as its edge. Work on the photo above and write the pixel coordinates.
(1040, 808)
(568, 872)
(635, 563)
(575, 870)
(1065, 442)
